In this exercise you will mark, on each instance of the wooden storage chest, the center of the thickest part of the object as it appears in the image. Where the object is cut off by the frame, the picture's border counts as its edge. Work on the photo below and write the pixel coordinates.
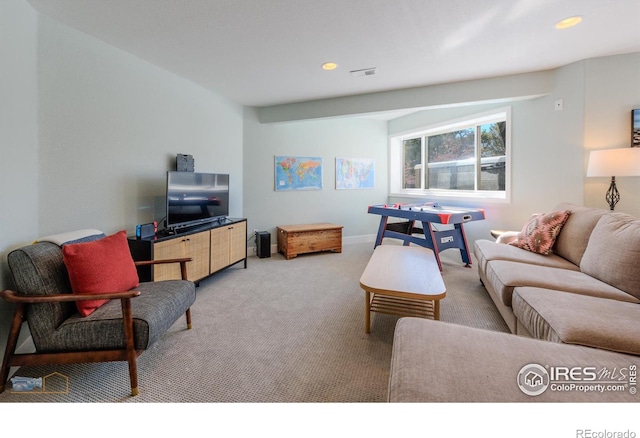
(306, 238)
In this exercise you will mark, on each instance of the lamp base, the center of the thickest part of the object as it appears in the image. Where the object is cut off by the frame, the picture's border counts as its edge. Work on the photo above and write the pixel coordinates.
(612, 196)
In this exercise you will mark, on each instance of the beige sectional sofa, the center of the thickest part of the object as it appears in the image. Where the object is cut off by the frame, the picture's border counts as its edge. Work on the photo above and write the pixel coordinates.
(586, 293)
(435, 361)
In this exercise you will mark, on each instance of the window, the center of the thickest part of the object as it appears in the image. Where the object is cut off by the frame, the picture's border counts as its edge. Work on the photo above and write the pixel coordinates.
(462, 158)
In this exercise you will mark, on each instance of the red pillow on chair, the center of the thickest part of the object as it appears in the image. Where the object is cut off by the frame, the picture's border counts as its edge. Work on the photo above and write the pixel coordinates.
(101, 266)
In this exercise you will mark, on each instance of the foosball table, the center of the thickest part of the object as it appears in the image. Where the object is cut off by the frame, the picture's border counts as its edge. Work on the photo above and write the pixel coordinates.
(428, 214)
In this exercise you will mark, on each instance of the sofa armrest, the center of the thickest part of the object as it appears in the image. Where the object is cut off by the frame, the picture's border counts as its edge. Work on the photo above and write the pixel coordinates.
(507, 237)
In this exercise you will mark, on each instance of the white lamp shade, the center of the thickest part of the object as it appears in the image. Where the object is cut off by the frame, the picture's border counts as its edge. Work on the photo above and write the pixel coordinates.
(614, 162)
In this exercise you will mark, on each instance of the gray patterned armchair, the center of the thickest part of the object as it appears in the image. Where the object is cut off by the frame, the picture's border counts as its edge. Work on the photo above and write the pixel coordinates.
(119, 330)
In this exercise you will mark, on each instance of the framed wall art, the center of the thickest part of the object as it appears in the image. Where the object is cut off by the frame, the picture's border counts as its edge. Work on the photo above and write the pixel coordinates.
(355, 173)
(298, 173)
(635, 128)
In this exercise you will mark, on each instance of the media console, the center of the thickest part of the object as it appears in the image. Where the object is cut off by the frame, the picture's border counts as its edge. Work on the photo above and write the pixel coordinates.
(212, 248)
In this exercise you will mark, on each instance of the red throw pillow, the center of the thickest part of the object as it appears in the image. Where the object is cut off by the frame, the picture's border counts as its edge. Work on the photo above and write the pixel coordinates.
(539, 234)
(101, 266)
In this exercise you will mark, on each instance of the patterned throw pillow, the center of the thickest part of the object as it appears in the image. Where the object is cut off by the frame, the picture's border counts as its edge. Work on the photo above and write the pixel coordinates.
(539, 234)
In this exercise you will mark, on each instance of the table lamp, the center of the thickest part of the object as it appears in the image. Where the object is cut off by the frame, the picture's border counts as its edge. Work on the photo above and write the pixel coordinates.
(614, 162)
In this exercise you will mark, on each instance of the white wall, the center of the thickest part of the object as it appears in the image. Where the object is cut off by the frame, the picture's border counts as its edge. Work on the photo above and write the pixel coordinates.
(546, 151)
(328, 138)
(18, 138)
(612, 90)
(460, 93)
(549, 147)
(111, 126)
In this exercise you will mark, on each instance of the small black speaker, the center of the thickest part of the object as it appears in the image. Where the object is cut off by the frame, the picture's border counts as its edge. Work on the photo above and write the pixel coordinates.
(184, 163)
(263, 244)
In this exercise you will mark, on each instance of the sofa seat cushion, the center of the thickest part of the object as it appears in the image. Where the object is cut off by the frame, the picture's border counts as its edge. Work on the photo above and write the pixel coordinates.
(505, 275)
(574, 237)
(579, 319)
(486, 250)
(435, 361)
(155, 310)
(613, 252)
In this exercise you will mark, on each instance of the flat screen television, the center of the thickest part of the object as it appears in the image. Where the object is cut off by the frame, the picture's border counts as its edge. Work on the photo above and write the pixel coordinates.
(196, 198)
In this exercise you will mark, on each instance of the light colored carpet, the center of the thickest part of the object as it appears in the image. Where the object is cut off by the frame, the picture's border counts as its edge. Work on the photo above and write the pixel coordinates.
(278, 331)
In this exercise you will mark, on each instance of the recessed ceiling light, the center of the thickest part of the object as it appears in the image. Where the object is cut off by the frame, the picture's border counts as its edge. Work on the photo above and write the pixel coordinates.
(329, 66)
(568, 22)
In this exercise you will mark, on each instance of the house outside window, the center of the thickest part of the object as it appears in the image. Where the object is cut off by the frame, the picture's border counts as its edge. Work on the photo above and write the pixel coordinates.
(464, 158)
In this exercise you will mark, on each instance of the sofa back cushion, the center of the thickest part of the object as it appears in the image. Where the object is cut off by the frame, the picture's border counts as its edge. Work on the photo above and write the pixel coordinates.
(613, 252)
(38, 269)
(572, 240)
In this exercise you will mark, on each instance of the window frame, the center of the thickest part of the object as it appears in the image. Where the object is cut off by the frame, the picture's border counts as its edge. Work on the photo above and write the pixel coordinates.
(396, 158)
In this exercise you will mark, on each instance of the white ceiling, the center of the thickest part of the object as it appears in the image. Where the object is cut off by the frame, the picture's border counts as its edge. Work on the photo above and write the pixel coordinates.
(269, 52)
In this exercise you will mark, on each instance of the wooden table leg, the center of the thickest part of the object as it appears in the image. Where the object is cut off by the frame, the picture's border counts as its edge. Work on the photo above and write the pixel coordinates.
(367, 315)
(436, 310)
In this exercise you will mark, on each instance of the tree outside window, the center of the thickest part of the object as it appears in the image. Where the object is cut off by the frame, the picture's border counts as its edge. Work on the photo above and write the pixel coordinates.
(466, 157)
(412, 175)
(493, 152)
(451, 160)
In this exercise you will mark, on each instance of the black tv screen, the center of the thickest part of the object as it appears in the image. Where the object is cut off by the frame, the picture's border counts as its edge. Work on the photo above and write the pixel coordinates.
(194, 198)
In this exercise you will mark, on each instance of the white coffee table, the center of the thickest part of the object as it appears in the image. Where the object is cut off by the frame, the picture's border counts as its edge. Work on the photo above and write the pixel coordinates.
(403, 281)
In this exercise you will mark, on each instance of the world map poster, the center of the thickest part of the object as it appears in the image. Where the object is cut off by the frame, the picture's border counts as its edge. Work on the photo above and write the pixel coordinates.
(355, 173)
(298, 173)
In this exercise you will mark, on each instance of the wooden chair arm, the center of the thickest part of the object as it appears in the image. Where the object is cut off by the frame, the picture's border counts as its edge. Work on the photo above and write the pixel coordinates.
(15, 297)
(158, 262)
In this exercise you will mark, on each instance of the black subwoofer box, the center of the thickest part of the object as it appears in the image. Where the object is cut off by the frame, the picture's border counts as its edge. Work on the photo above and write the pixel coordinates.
(184, 163)
(263, 244)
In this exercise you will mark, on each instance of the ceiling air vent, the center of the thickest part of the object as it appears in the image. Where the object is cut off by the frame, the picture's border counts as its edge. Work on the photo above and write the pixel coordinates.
(363, 72)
